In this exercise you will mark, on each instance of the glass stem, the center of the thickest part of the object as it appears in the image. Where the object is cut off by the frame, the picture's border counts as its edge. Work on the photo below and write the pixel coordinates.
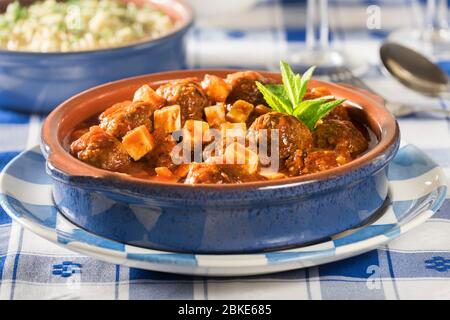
(324, 24)
(436, 14)
(317, 25)
(310, 25)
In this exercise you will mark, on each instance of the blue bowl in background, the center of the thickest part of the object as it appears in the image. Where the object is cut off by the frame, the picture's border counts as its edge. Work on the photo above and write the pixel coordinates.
(234, 218)
(38, 82)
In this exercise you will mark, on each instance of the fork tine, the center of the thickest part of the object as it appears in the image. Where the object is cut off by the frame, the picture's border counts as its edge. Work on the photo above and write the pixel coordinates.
(357, 82)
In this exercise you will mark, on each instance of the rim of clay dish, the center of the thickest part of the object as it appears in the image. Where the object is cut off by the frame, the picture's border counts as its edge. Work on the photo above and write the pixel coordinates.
(93, 101)
(179, 11)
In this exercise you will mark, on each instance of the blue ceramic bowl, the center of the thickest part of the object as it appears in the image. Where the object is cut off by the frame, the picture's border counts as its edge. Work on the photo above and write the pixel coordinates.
(250, 217)
(38, 82)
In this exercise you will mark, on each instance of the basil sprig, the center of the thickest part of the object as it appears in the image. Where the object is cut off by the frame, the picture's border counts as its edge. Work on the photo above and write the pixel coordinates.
(288, 97)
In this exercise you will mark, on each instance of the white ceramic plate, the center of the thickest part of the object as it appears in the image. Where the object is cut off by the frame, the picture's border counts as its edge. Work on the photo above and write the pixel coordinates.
(417, 190)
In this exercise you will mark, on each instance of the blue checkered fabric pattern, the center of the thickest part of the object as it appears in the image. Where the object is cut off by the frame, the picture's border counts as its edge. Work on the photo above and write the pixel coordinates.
(414, 266)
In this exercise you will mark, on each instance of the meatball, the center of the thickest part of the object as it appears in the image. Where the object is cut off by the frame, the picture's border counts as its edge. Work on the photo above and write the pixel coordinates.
(321, 160)
(243, 87)
(125, 116)
(293, 134)
(101, 150)
(188, 94)
(338, 113)
(216, 88)
(259, 110)
(341, 136)
(219, 174)
(161, 156)
(295, 163)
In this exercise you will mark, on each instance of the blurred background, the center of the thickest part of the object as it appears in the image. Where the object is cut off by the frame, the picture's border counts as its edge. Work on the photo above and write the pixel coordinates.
(227, 31)
(248, 34)
(258, 33)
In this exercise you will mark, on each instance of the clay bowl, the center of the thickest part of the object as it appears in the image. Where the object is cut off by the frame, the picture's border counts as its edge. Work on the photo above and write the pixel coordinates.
(235, 218)
(38, 82)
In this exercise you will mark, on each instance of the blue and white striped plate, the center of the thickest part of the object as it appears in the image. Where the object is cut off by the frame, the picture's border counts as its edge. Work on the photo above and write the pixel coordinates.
(417, 190)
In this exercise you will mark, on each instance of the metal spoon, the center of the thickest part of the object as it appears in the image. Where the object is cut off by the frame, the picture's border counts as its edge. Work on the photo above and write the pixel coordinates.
(414, 70)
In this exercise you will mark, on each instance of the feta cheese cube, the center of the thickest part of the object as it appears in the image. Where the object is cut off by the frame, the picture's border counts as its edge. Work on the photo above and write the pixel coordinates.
(138, 142)
(168, 118)
(215, 115)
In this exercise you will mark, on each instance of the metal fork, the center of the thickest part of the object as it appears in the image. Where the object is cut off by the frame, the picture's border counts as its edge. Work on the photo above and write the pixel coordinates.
(344, 75)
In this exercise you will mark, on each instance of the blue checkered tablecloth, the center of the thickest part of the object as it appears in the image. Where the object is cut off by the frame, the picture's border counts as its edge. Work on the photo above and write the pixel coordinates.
(257, 39)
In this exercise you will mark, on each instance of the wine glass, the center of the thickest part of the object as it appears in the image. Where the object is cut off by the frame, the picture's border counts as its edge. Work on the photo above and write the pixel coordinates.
(432, 37)
(318, 51)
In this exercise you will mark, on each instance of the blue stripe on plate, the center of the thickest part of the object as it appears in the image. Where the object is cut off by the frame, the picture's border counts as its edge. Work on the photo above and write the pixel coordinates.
(278, 257)
(79, 235)
(182, 259)
(410, 162)
(30, 168)
(366, 233)
(45, 215)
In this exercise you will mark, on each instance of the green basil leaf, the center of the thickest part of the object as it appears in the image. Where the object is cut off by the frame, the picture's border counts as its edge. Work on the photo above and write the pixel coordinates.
(272, 99)
(290, 86)
(313, 103)
(298, 85)
(304, 82)
(312, 115)
(288, 97)
(280, 91)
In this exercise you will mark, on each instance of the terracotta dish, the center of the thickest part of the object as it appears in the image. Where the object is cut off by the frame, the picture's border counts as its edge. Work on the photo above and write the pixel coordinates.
(207, 218)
